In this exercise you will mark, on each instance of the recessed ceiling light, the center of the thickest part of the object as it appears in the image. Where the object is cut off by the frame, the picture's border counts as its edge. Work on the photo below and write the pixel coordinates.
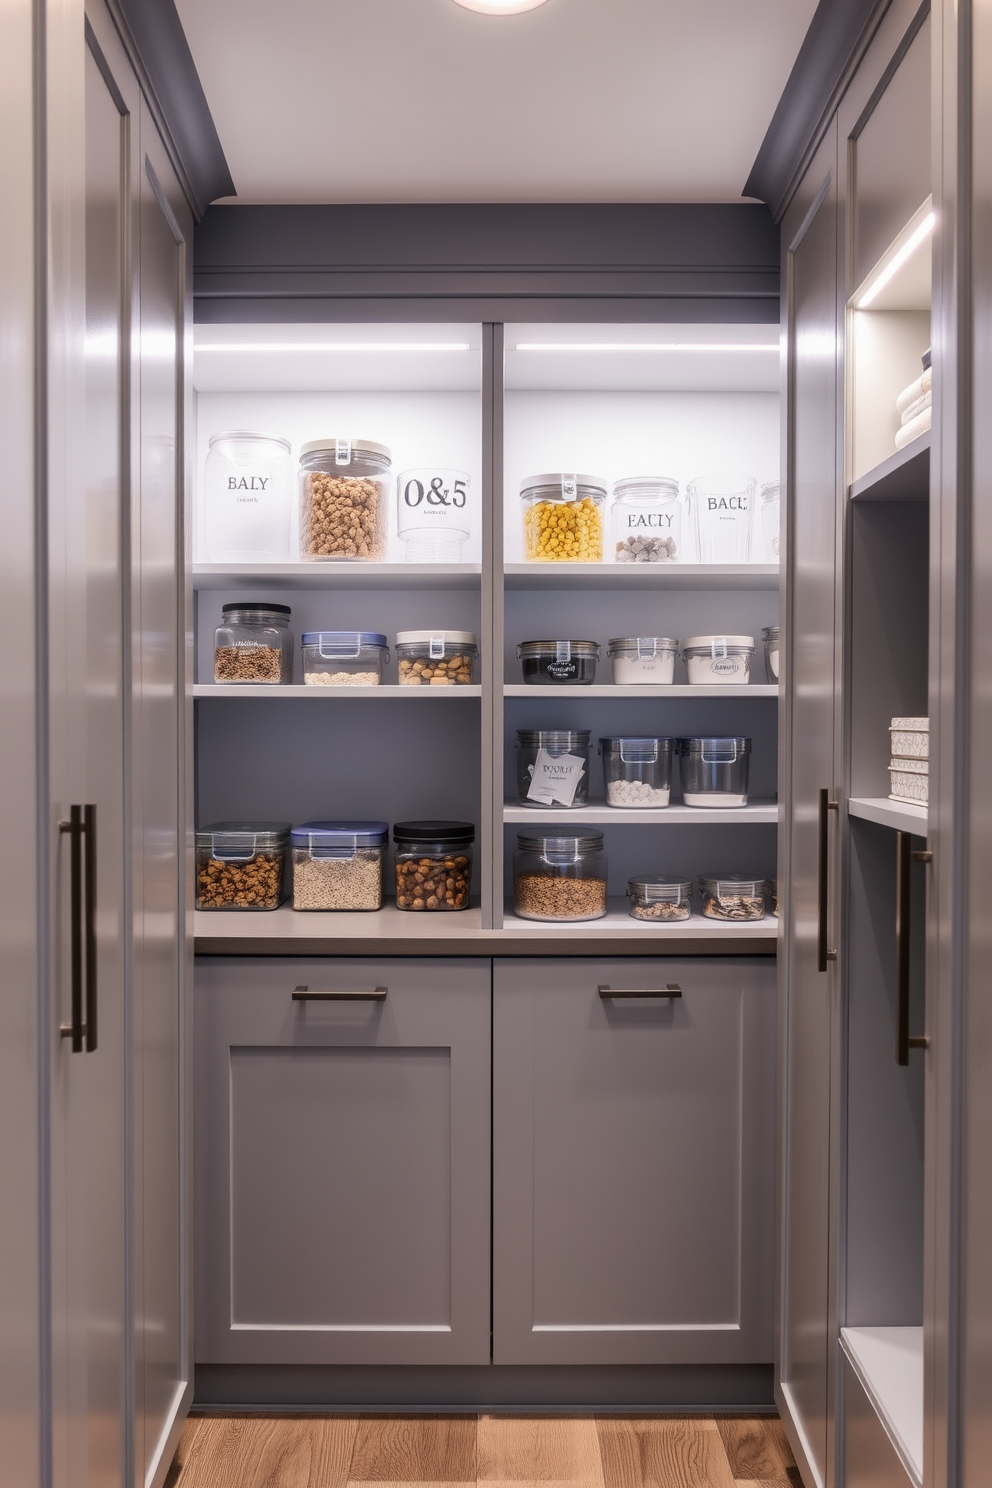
(500, 7)
(656, 346)
(356, 347)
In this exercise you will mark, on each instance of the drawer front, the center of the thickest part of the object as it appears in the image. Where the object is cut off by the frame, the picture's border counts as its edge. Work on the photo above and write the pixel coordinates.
(342, 1161)
(633, 1161)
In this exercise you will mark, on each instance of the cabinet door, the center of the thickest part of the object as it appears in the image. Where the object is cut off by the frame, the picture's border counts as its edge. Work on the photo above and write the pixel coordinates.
(633, 1166)
(342, 1162)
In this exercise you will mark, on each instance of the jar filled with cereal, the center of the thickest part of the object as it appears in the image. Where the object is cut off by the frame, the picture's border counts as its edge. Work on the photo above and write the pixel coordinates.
(344, 500)
(563, 518)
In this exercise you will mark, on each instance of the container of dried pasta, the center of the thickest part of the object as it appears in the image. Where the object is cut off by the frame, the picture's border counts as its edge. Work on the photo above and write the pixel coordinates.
(733, 898)
(345, 486)
(241, 865)
(343, 658)
(338, 864)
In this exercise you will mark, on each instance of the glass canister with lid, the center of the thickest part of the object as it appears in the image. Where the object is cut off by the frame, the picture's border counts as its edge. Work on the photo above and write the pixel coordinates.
(647, 520)
(642, 660)
(553, 768)
(769, 517)
(343, 658)
(241, 865)
(560, 874)
(558, 663)
(718, 660)
(344, 500)
(432, 513)
(733, 898)
(724, 512)
(714, 771)
(769, 636)
(659, 898)
(563, 518)
(248, 498)
(338, 864)
(638, 771)
(433, 865)
(436, 658)
(253, 643)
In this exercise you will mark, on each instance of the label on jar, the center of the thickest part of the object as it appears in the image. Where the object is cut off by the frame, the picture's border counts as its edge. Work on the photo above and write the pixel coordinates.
(569, 488)
(562, 671)
(433, 499)
(556, 777)
(342, 452)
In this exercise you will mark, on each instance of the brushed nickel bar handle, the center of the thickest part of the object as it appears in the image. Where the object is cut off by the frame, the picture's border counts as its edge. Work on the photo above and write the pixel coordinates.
(905, 857)
(823, 953)
(303, 994)
(672, 990)
(74, 826)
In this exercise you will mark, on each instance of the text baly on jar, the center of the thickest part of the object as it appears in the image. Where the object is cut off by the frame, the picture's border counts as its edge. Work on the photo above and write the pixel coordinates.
(344, 500)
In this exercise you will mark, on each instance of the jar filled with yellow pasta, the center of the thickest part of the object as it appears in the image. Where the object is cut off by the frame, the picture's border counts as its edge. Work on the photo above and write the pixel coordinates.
(563, 518)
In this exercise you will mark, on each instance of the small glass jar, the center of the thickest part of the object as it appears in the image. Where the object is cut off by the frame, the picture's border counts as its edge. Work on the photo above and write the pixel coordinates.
(638, 771)
(718, 660)
(436, 658)
(733, 898)
(241, 865)
(253, 644)
(343, 658)
(433, 865)
(337, 865)
(432, 514)
(658, 898)
(560, 875)
(344, 500)
(773, 895)
(715, 771)
(647, 520)
(724, 512)
(770, 637)
(769, 541)
(563, 518)
(553, 768)
(643, 660)
(558, 663)
(248, 498)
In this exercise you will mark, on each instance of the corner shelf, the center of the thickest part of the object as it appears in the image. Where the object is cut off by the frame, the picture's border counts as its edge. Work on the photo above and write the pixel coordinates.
(904, 476)
(599, 814)
(337, 576)
(889, 1364)
(655, 576)
(635, 690)
(282, 692)
(899, 815)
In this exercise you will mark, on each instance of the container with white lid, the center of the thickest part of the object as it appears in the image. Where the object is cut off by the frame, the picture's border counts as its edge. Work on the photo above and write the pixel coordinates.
(712, 660)
(337, 865)
(643, 659)
(563, 518)
(647, 520)
(248, 496)
(344, 500)
(436, 658)
(714, 771)
(770, 635)
(343, 658)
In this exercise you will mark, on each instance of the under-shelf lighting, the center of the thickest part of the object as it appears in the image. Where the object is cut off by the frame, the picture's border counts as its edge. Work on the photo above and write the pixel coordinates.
(895, 263)
(650, 346)
(356, 347)
(499, 7)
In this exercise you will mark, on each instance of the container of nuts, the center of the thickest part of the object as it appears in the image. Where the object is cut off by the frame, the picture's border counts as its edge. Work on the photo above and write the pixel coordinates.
(733, 898)
(436, 658)
(658, 898)
(559, 874)
(253, 643)
(241, 865)
(338, 864)
(344, 500)
(433, 865)
(563, 518)
(343, 658)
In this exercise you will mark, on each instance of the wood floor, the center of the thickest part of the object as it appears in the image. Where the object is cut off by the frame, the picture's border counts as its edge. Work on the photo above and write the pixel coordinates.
(483, 1452)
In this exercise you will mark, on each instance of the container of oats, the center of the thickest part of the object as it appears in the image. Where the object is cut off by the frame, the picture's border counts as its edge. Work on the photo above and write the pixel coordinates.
(436, 658)
(343, 658)
(241, 865)
(659, 898)
(559, 874)
(345, 487)
(337, 865)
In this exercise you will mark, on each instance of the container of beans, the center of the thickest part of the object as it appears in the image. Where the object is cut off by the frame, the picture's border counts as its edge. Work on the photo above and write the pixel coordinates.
(345, 488)
(253, 644)
(553, 768)
(563, 518)
(733, 898)
(241, 865)
(436, 658)
(643, 660)
(638, 771)
(343, 658)
(560, 875)
(551, 663)
(658, 898)
(433, 865)
(338, 864)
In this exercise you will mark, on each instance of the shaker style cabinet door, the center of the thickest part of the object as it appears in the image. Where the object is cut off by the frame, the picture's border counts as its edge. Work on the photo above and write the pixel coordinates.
(633, 1168)
(342, 1161)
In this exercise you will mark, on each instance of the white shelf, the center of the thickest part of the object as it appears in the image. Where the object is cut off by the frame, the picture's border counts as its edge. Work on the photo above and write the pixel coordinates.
(281, 692)
(619, 918)
(889, 1364)
(599, 814)
(337, 576)
(658, 576)
(626, 690)
(898, 814)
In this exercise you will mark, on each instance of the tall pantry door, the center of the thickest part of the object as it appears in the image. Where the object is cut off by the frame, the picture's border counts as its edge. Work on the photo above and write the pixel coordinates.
(809, 988)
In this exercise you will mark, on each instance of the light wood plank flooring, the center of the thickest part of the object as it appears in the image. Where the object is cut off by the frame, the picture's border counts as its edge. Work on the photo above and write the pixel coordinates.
(483, 1452)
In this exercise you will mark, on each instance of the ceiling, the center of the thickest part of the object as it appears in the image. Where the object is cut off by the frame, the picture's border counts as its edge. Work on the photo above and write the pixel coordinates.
(424, 101)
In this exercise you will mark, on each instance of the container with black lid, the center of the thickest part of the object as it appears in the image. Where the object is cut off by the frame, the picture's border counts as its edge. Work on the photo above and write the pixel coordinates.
(253, 643)
(433, 864)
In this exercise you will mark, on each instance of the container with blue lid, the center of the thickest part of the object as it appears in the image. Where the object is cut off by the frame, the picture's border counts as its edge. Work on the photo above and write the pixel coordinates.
(343, 658)
(337, 865)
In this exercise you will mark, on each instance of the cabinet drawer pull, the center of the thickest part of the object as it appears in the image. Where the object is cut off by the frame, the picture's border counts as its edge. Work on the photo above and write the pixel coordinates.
(905, 857)
(303, 994)
(672, 990)
(823, 953)
(81, 828)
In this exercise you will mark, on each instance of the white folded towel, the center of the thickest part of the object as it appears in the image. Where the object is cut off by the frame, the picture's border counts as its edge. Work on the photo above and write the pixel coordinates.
(917, 426)
(910, 413)
(915, 390)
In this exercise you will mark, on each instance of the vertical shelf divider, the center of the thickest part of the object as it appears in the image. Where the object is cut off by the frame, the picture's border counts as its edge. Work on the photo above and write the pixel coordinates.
(491, 834)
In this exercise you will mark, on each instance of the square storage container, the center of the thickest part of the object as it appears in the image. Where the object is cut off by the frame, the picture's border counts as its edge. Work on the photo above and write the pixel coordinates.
(909, 738)
(337, 865)
(433, 865)
(714, 771)
(637, 771)
(343, 658)
(253, 644)
(241, 865)
(909, 780)
(553, 768)
(436, 658)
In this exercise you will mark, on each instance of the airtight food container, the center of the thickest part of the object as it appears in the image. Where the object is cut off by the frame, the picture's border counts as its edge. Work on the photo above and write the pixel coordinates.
(643, 659)
(658, 898)
(436, 658)
(433, 865)
(565, 662)
(248, 497)
(345, 487)
(560, 875)
(714, 659)
(770, 638)
(733, 898)
(553, 768)
(638, 771)
(343, 658)
(241, 865)
(563, 518)
(714, 771)
(338, 864)
(253, 644)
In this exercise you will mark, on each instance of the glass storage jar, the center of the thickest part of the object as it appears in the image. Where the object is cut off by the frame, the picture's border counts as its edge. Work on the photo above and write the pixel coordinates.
(550, 663)
(253, 643)
(714, 771)
(724, 512)
(647, 520)
(344, 500)
(436, 658)
(248, 498)
(563, 518)
(343, 658)
(553, 768)
(433, 865)
(733, 898)
(715, 660)
(432, 513)
(560, 875)
(241, 865)
(338, 864)
(638, 771)
(770, 637)
(655, 896)
(642, 660)
(769, 517)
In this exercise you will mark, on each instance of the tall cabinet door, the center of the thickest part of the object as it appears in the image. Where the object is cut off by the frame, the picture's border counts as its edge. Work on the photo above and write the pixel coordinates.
(809, 991)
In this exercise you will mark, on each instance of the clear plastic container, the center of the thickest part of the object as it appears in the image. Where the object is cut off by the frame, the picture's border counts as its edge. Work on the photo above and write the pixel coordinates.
(546, 663)
(638, 771)
(343, 658)
(647, 520)
(248, 498)
(241, 865)
(643, 660)
(563, 518)
(715, 660)
(344, 500)
(770, 638)
(773, 895)
(553, 768)
(659, 898)
(724, 513)
(433, 865)
(253, 644)
(733, 898)
(436, 658)
(337, 865)
(714, 771)
(433, 519)
(560, 875)
(769, 541)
